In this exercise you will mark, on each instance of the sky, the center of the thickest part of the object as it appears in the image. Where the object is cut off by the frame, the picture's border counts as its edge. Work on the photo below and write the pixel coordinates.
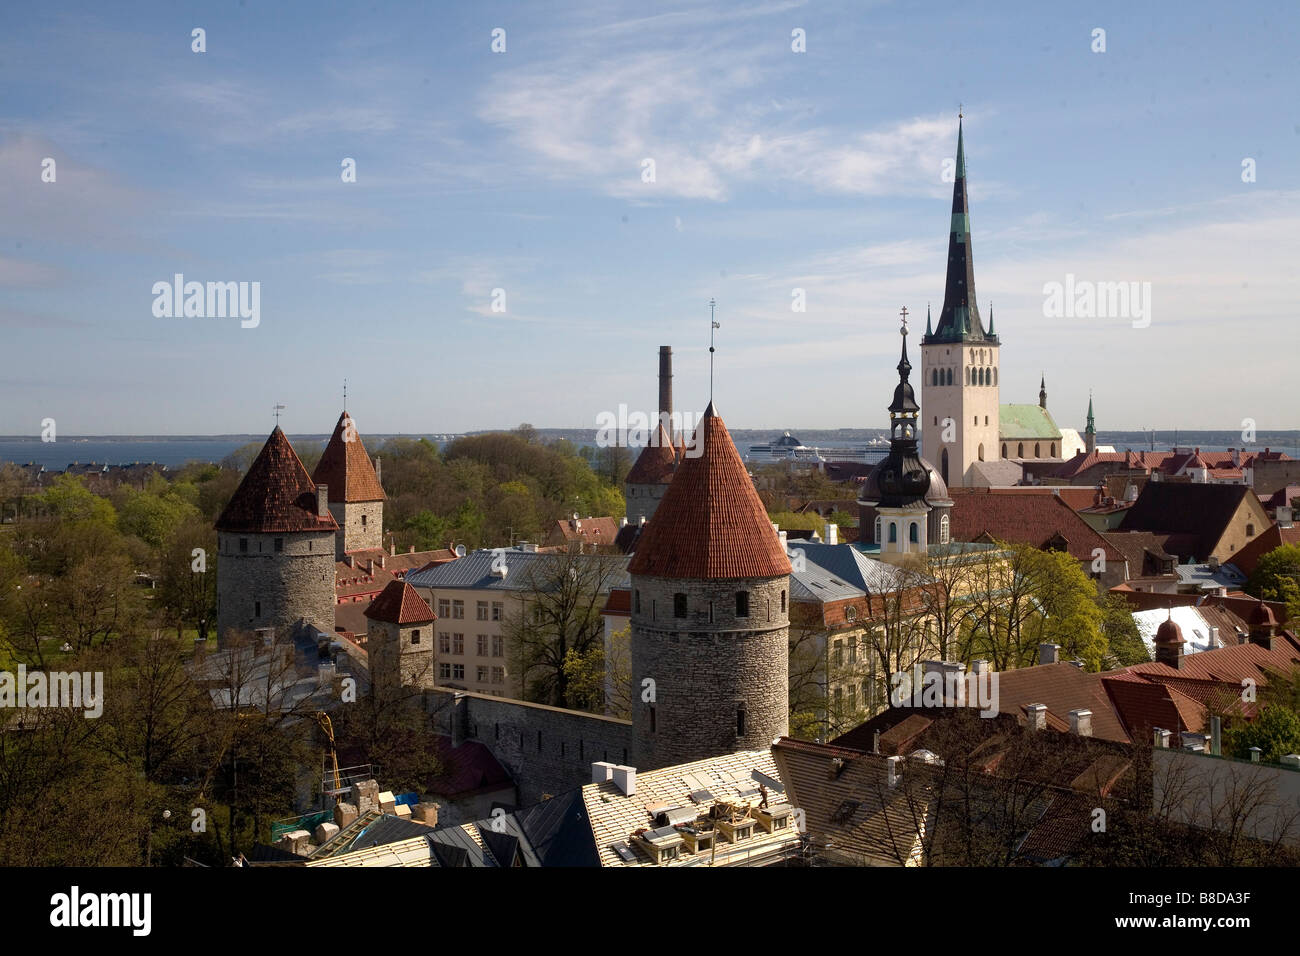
(524, 170)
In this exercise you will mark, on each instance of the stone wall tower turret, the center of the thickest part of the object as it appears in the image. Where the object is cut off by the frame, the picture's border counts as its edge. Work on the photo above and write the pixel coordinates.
(275, 543)
(356, 497)
(710, 614)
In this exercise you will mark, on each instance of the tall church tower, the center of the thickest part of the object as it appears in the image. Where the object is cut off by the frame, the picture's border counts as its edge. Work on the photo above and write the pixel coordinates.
(959, 359)
(356, 497)
(710, 614)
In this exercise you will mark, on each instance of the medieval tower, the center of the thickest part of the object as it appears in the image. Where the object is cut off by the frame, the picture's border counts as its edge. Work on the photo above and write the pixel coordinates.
(710, 614)
(648, 479)
(275, 544)
(399, 638)
(356, 499)
(959, 359)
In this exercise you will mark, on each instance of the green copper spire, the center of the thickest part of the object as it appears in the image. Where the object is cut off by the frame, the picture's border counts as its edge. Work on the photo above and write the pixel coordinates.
(928, 331)
(961, 152)
(1091, 427)
(991, 333)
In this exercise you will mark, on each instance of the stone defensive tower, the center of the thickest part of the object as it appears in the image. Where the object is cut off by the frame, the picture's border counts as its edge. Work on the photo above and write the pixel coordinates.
(275, 544)
(710, 614)
(399, 638)
(356, 499)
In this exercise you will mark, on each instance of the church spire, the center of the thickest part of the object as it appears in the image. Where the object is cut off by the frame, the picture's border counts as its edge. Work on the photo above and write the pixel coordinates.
(1042, 392)
(959, 319)
(928, 330)
(1092, 428)
(992, 334)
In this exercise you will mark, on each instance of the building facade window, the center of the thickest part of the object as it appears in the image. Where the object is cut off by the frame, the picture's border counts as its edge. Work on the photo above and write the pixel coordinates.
(742, 604)
(481, 610)
(1004, 449)
(458, 610)
(679, 605)
(1037, 452)
(279, 544)
(913, 533)
(482, 644)
(498, 675)
(497, 608)
(415, 636)
(1020, 450)
(457, 671)
(943, 530)
(243, 545)
(444, 608)
(893, 533)
(877, 529)
(481, 673)
(444, 671)
(458, 644)
(444, 643)
(498, 646)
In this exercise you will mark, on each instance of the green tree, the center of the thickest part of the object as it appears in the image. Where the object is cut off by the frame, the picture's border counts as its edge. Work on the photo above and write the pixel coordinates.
(1123, 640)
(1277, 578)
(1275, 730)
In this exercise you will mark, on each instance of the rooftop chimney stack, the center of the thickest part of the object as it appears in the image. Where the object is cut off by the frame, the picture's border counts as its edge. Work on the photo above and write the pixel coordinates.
(832, 533)
(625, 780)
(1081, 723)
(1047, 653)
(322, 501)
(1036, 716)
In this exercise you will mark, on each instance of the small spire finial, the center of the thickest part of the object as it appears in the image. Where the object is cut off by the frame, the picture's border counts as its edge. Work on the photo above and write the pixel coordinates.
(713, 324)
(345, 394)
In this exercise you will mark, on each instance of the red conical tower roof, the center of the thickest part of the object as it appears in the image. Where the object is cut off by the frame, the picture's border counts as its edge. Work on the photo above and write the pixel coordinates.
(346, 467)
(399, 603)
(655, 464)
(710, 523)
(276, 495)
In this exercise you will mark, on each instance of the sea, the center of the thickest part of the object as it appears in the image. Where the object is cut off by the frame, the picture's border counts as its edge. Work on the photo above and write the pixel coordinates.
(176, 451)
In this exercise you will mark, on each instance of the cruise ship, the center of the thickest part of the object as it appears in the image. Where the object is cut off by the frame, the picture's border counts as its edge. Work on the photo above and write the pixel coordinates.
(790, 448)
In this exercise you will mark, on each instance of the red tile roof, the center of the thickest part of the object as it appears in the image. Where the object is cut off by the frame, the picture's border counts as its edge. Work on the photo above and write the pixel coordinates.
(1195, 516)
(1025, 515)
(400, 604)
(277, 495)
(710, 523)
(346, 467)
(655, 464)
(1269, 539)
(589, 530)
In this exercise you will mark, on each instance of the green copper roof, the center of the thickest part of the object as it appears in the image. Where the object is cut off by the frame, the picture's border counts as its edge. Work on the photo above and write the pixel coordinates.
(1026, 423)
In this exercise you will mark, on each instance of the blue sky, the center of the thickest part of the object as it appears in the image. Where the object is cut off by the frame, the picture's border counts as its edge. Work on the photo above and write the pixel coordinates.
(522, 170)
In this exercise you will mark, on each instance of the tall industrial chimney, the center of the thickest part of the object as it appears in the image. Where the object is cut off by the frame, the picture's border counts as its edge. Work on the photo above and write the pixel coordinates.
(666, 388)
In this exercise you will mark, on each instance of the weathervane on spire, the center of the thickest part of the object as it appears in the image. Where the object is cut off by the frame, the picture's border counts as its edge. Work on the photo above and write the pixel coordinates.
(345, 394)
(713, 324)
(278, 408)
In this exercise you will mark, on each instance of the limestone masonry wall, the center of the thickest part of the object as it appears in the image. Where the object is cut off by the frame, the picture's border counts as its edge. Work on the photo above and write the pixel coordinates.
(708, 667)
(546, 749)
(296, 583)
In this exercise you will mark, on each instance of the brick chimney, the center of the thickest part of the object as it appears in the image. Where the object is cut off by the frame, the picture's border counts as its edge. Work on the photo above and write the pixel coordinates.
(1036, 716)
